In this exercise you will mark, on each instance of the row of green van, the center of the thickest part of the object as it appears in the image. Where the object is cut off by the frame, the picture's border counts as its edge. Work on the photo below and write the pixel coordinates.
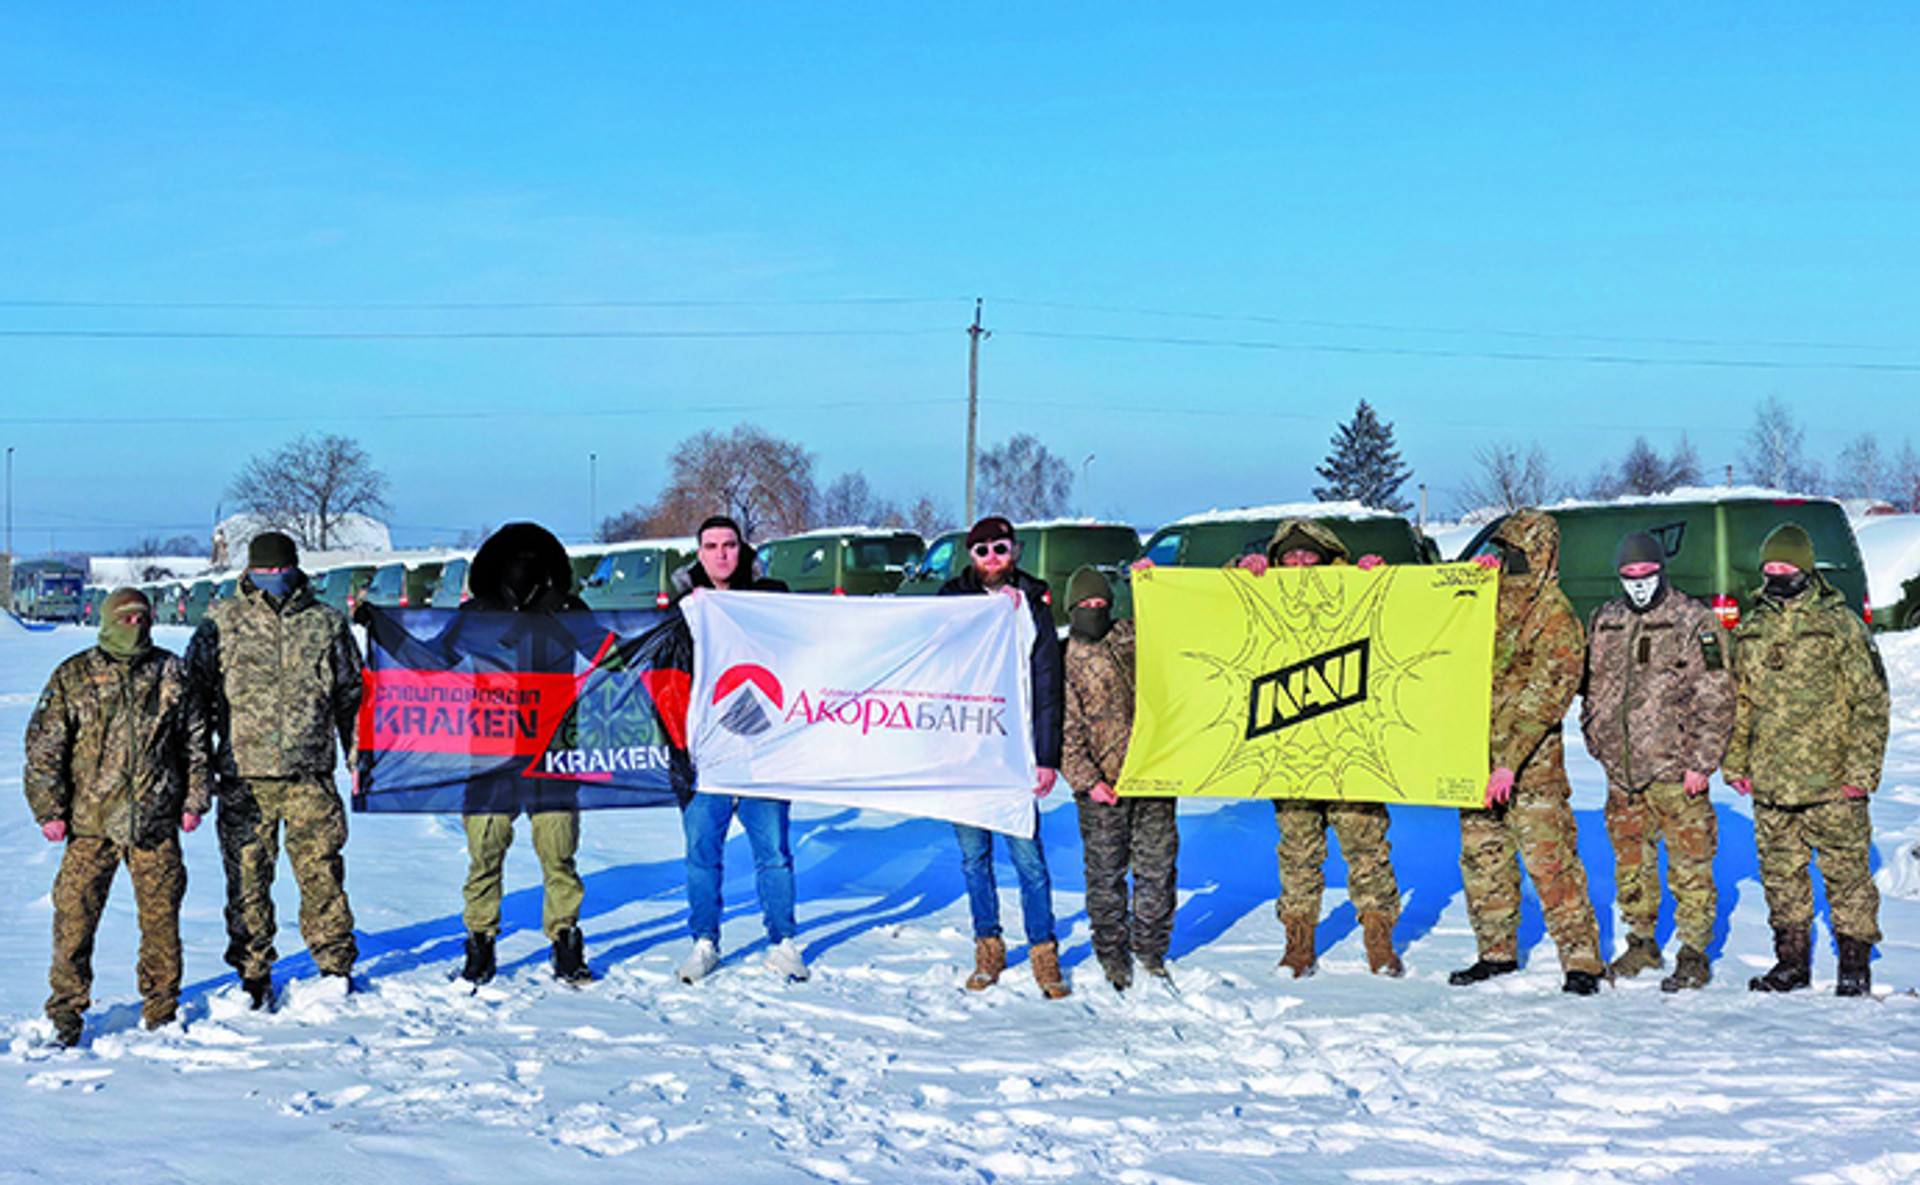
(1713, 544)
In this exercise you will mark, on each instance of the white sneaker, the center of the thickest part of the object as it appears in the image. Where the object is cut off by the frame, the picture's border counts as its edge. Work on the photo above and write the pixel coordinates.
(700, 964)
(787, 960)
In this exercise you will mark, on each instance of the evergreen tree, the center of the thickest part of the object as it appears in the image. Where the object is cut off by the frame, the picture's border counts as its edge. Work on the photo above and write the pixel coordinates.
(1364, 466)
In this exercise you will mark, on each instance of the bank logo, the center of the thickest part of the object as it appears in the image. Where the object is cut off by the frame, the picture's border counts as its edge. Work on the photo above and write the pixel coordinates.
(750, 691)
(1310, 688)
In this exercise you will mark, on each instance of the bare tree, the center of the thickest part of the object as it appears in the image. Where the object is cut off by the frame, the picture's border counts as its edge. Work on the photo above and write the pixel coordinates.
(1508, 478)
(184, 545)
(1859, 472)
(1904, 479)
(765, 483)
(1773, 454)
(928, 518)
(848, 501)
(1644, 471)
(1022, 480)
(308, 487)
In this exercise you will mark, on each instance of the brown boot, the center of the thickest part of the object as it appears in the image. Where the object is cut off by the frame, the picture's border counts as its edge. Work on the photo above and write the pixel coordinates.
(989, 960)
(1045, 957)
(1299, 958)
(1376, 929)
(1642, 954)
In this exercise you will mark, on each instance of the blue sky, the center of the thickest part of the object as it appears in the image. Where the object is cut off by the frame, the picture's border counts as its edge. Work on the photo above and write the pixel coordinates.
(1451, 211)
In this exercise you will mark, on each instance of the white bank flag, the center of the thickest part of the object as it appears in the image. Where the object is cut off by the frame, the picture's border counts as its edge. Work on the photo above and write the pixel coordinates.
(918, 705)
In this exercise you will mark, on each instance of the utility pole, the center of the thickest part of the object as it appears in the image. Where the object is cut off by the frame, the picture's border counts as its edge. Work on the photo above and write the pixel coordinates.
(9, 502)
(974, 334)
(1086, 487)
(1423, 506)
(593, 497)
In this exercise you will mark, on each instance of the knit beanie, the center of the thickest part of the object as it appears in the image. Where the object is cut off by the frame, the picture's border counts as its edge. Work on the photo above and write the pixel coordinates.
(1788, 544)
(271, 549)
(1639, 548)
(1087, 582)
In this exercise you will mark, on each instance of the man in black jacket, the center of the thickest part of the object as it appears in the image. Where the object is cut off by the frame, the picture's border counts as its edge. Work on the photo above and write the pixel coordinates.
(995, 555)
(522, 568)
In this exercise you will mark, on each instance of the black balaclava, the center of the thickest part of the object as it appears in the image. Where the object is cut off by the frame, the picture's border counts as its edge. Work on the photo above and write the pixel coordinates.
(1643, 592)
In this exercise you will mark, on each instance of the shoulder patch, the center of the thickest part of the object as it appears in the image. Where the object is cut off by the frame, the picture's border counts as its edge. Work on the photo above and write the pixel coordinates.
(1710, 650)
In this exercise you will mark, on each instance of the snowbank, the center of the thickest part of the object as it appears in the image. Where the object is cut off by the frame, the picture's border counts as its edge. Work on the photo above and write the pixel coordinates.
(1890, 548)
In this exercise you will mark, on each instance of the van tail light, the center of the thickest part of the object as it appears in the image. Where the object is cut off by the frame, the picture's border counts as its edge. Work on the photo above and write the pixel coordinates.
(661, 600)
(1866, 610)
(1726, 609)
(839, 592)
(403, 600)
(1046, 598)
(465, 596)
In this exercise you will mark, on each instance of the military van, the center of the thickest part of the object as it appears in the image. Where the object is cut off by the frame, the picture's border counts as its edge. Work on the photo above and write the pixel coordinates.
(852, 561)
(1712, 542)
(196, 601)
(342, 587)
(403, 585)
(450, 590)
(1053, 551)
(637, 574)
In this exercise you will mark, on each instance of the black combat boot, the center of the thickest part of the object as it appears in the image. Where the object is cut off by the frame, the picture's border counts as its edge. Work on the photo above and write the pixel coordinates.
(1581, 983)
(1118, 967)
(1690, 970)
(570, 956)
(480, 965)
(1793, 963)
(67, 1028)
(259, 993)
(1856, 967)
(1482, 971)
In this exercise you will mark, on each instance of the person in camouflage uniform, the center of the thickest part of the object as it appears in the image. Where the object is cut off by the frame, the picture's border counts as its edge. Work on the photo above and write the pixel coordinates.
(1115, 833)
(1303, 823)
(1657, 711)
(1809, 735)
(1538, 649)
(279, 676)
(116, 767)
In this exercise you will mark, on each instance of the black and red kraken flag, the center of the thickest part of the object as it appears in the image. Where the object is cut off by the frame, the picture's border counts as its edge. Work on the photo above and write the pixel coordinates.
(491, 713)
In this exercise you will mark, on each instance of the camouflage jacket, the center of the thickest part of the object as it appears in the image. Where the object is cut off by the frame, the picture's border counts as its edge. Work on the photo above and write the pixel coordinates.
(1099, 708)
(277, 684)
(1658, 699)
(117, 749)
(1538, 652)
(1812, 705)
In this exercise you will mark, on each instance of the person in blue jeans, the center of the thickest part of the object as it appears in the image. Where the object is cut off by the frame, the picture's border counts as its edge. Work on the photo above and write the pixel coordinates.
(994, 554)
(725, 561)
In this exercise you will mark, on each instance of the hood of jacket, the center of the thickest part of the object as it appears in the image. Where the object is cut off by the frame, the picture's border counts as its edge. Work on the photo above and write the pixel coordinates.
(1534, 534)
(521, 564)
(1297, 533)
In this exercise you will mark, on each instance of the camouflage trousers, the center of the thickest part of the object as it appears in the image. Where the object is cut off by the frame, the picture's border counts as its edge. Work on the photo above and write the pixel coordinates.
(80, 896)
(556, 836)
(1537, 826)
(1141, 834)
(1362, 829)
(250, 819)
(1841, 834)
(1636, 823)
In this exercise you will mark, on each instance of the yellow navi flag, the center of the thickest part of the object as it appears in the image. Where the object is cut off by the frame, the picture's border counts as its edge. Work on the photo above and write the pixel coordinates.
(1323, 682)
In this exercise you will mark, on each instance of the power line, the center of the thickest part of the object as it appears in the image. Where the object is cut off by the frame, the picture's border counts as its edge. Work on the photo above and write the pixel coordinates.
(1472, 355)
(525, 413)
(456, 334)
(473, 305)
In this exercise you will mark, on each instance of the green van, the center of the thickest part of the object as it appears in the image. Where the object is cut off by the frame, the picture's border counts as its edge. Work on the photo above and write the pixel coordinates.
(450, 591)
(1713, 546)
(1053, 551)
(402, 585)
(196, 602)
(854, 562)
(342, 587)
(637, 574)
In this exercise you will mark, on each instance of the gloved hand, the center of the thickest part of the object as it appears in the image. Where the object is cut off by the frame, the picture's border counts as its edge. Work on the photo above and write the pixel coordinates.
(1045, 787)
(1695, 782)
(1743, 785)
(55, 830)
(1103, 794)
(1140, 565)
(1255, 563)
(1368, 563)
(1490, 560)
(1500, 786)
(189, 821)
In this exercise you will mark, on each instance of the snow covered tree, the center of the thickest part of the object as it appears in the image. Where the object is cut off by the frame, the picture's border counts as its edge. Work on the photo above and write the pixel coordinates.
(1364, 466)
(1904, 479)
(1022, 480)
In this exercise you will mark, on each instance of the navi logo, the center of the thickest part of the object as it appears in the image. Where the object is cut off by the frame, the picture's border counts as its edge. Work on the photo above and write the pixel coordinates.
(748, 685)
(1311, 687)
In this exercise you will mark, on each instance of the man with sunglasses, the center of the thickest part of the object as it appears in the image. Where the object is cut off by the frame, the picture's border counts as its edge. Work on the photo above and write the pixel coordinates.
(995, 555)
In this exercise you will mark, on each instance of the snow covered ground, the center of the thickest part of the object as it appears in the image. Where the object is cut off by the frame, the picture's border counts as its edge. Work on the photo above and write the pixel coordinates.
(883, 1069)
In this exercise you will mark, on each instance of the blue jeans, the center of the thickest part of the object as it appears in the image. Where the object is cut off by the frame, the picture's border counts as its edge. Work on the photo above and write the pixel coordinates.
(705, 819)
(1036, 887)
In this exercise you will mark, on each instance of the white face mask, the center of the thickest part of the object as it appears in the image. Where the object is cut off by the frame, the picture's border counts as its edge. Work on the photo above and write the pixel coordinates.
(1641, 589)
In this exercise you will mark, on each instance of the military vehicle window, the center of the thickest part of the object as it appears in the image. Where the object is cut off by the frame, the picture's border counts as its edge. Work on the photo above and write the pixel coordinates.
(1166, 549)
(814, 559)
(869, 555)
(605, 572)
(939, 559)
(637, 565)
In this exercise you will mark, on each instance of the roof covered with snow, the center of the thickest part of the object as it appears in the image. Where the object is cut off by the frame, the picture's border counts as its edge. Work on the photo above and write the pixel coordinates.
(1346, 510)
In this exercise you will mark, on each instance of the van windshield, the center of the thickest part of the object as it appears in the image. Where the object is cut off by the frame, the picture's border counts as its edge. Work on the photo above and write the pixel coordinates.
(880, 555)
